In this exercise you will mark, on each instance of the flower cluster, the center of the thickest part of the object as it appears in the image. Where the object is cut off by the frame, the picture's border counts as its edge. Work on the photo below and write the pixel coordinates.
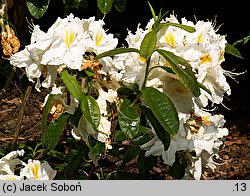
(62, 46)
(199, 130)
(10, 165)
(67, 45)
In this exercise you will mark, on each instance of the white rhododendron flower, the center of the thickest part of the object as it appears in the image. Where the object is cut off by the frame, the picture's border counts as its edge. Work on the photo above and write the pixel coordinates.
(30, 58)
(11, 166)
(35, 170)
(201, 133)
(64, 45)
(100, 40)
(9, 162)
(68, 44)
(10, 177)
(84, 129)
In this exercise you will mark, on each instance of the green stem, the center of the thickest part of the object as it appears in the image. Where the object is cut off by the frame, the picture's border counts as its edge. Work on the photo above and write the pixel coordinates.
(146, 74)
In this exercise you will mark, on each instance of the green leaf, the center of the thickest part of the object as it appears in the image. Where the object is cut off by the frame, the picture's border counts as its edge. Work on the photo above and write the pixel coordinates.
(119, 136)
(183, 70)
(91, 110)
(244, 40)
(128, 92)
(104, 5)
(152, 11)
(59, 155)
(162, 108)
(115, 52)
(54, 131)
(74, 160)
(74, 118)
(46, 111)
(37, 8)
(184, 27)
(140, 140)
(120, 5)
(161, 133)
(145, 164)
(230, 49)
(167, 69)
(157, 20)
(96, 147)
(131, 153)
(202, 86)
(72, 85)
(148, 44)
(129, 121)
(177, 170)
(76, 4)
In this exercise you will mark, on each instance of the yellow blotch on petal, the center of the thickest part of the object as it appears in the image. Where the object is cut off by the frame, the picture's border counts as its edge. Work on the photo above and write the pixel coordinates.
(98, 39)
(69, 38)
(206, 59)
(170, 39)
(221, 55)
(11, 177)
(200, 39)
(206, 120)
(35, 170)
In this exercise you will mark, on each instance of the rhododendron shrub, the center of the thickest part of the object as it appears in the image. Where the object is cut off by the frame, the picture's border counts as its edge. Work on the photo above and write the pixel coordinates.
(150, 100)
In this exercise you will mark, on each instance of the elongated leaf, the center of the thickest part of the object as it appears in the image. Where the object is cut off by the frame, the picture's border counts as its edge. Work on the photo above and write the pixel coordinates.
(177, 170)
(76, 4)
(131, 153)
(54, 131)
(72, 85)
(96, 147)
(148, 44)
(74, 118)
(91, 110)
(152, 11)
(170, 70)
(145, 164)
(184, 27)
(37, 8)
(129, 121)
(162, 108)
(167, 69)
(230, 49)
(161, 133)
(202, 86)
(157, 20)
(45, 114)
(104, 5)
(140, 140)
(119, 136)
(120, 5)
(183, 70)
(74, 160)
(244, 40)
(115, 52)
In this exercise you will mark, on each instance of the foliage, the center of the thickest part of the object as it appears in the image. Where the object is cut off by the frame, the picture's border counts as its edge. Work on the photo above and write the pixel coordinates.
(37, 8)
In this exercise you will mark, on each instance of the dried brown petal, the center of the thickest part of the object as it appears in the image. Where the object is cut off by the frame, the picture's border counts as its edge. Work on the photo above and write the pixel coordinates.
(10, 43)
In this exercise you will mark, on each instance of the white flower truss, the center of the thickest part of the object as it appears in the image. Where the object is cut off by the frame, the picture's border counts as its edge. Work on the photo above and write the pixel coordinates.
(199, 132)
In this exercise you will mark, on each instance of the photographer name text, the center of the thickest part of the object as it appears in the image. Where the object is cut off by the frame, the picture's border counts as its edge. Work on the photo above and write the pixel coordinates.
(13, 187)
